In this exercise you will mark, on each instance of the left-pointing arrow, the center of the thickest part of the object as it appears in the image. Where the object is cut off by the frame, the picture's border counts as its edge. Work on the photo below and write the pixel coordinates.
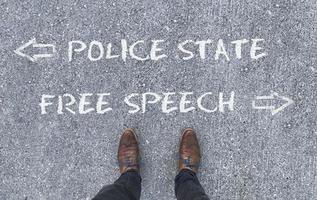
(50, 48)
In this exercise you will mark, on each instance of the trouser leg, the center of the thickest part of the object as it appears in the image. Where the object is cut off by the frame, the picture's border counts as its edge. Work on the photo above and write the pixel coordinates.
(187, 186)
(127, 187)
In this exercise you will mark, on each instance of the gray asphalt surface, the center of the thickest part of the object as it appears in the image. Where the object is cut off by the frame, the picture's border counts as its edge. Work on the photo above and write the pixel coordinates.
(247, 153)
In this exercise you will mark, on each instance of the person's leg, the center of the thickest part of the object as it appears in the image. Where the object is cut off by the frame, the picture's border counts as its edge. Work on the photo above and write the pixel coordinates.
(128, 186)
(187, 186)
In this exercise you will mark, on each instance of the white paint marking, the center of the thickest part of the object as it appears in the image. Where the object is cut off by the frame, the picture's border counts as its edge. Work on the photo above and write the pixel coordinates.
(34, 44)
(273, 96)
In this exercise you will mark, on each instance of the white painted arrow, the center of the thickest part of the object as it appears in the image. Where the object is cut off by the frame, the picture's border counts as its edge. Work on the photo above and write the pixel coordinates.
(273, 108)
(34, 44)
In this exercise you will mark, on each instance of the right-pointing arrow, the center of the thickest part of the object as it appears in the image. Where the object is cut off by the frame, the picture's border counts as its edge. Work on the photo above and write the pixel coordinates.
(275, 97)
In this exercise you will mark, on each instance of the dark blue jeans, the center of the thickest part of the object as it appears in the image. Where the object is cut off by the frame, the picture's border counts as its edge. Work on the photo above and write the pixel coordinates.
(128, 187)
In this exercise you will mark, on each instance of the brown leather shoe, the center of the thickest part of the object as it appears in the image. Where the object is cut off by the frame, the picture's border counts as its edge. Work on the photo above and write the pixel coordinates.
(128, 151)
(189, 151)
